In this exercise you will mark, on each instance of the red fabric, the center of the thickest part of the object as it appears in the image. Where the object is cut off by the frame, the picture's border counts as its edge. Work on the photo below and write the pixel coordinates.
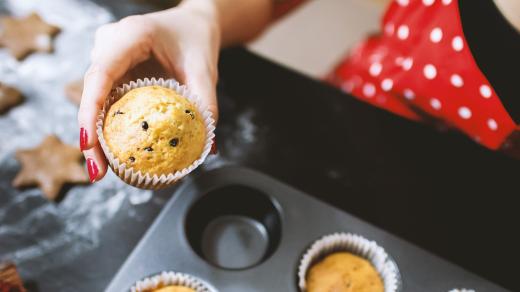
(420, 67)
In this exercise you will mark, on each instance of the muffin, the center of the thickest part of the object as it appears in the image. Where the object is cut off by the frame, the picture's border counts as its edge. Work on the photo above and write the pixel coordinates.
(343, 272)
(154, 130)
(347, 262)
(171, 282)
(174, 289)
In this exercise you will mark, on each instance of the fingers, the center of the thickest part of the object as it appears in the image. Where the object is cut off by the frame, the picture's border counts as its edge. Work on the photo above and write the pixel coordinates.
(97, 86)
(115, 52)
(202, 79)
(96, 163)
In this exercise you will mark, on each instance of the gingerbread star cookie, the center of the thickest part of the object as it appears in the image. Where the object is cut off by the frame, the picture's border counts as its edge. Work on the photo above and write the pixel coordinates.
(9, 97)
(9, 278)
(74, 90)
(23, 36)
(49, 166)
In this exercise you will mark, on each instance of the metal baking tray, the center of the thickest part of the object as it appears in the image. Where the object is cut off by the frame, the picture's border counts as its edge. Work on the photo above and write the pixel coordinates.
(240, 230)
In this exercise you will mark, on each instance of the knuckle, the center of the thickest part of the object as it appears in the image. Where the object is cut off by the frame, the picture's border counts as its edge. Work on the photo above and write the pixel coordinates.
(141, 25)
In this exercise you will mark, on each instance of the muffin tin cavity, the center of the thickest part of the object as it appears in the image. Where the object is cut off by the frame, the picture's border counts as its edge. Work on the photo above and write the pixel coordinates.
(234, 227)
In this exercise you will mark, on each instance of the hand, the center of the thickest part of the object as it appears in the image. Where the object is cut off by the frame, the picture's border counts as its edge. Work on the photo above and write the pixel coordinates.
(182, 43)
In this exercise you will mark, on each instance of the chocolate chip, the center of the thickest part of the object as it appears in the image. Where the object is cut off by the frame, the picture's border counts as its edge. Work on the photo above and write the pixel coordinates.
(190, 113)
(174, 142)
(144, 125)
(149, 149)
(131, 158)
(118, 112)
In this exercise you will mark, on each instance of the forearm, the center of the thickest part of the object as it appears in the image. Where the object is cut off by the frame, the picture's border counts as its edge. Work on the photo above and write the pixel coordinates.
(511, 11)
(238, 21)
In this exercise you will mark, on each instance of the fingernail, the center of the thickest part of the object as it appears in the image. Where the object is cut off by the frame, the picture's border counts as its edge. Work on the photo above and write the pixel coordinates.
(214, 149)
(93, 170)
(83, 137)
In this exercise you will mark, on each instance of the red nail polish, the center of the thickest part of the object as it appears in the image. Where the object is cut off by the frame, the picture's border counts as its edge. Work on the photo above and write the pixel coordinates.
(83, 138)
(214, 149)
(93, 170)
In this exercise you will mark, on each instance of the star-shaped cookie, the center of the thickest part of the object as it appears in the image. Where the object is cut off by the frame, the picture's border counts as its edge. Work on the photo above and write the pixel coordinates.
(23, 36)
(9, 97)
(49, 166)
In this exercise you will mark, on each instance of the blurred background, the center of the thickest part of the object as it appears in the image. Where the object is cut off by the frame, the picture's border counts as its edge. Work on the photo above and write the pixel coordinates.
(336, 25)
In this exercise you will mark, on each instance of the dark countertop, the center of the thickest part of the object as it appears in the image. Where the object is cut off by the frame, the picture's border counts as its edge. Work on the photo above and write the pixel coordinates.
(438, 190)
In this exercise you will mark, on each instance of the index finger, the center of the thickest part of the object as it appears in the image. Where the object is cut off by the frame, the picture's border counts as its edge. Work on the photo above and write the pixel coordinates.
(113, 55)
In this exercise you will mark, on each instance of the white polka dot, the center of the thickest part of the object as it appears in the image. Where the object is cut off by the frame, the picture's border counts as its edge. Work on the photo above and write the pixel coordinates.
(435, 103)
(430, 71)
(389, 28)
(485, 91)
(409, 94)
(436, 35)
(403, 32)
(375, 69)
(464, 112)
(457, 43)
(403, 2)
(369, 90)
(446, 2)
(428, 2)
(492, 124)
(387, 84)
(456, 80)
(407, 64)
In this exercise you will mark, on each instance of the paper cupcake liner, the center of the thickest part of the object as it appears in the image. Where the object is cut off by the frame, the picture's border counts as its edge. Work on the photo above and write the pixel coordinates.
(146, 180)
(171, 279)
(462, 290)
(356, 245)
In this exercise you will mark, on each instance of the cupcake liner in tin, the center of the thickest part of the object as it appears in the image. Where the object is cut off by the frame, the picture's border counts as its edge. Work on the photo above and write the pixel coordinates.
(146, 180)
(462, 290)
(356, 245)
(171, 279)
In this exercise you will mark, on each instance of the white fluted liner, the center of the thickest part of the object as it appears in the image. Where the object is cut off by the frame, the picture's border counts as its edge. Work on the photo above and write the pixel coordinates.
(462, 290)
(354, 244)
(146, 180)
(171, 278)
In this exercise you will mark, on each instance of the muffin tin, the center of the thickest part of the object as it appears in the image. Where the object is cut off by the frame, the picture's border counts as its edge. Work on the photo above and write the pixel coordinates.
(240, 230)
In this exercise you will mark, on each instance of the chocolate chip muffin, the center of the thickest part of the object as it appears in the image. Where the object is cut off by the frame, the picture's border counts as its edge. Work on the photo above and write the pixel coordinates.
(343, 272)
(154, 130)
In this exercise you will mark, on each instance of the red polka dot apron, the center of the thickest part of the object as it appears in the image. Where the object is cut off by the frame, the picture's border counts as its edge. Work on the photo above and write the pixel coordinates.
(420, 67)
